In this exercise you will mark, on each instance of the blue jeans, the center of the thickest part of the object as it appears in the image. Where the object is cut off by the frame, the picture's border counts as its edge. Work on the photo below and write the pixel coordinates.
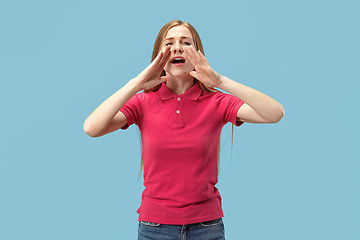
(209, 230)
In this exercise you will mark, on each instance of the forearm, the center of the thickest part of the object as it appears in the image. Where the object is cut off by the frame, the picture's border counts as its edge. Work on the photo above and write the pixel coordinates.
(101, 117)
(264, 105)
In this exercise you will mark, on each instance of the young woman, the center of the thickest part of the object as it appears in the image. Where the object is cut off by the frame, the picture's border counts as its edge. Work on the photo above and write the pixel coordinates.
(180, 116)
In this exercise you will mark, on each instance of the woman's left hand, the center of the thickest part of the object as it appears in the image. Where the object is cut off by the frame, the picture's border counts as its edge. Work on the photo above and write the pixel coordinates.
(203, 72)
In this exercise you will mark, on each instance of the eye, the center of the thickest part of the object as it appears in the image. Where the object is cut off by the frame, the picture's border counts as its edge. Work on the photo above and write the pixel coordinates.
(168, 44)
(187, 43)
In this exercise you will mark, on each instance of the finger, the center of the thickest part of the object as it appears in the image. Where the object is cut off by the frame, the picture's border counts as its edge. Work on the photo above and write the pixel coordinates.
(190, 54)
(194, 74)
(166, 50)
(167, 54)
(161, 65)
(165, 57)
(157, 63)
(164, 78)
(202, 57)
(189, 51)
(193, 55)
(158, 60)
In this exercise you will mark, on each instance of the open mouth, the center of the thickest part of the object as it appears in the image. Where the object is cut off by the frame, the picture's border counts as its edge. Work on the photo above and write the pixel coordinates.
(178, 61)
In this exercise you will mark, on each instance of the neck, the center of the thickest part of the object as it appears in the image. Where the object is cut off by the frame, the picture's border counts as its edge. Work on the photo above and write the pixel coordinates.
(180, 85)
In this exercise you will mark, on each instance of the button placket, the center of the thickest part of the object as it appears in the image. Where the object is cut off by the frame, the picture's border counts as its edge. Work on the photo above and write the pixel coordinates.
(179, 122)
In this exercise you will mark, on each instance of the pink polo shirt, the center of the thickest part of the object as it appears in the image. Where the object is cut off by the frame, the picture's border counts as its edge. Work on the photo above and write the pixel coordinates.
(180, 140)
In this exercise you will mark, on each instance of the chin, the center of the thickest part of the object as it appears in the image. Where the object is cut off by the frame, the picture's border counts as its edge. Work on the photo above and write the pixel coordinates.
(177, 72)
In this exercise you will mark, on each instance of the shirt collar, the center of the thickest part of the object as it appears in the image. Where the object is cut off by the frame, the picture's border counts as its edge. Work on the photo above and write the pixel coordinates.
(192, 94)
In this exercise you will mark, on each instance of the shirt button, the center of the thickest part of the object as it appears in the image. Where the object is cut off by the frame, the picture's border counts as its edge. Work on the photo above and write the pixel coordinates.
(178, 99)
(177, 111)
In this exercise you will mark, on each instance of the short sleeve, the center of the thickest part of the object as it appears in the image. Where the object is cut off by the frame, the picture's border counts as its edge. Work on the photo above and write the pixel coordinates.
(230, 105)
(132, 111)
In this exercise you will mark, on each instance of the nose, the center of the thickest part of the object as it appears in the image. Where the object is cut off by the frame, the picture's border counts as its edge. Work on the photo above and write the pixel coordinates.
(178, 48)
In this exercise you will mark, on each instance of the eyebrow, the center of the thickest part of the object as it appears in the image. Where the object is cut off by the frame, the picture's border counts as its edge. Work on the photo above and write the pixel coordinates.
(173, 38)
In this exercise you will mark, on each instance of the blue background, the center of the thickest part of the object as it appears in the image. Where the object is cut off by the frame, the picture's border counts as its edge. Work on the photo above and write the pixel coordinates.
(297, 179)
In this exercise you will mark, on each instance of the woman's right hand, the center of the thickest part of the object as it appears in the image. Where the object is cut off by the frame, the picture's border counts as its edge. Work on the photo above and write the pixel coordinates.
(107, 117)
(151, 76)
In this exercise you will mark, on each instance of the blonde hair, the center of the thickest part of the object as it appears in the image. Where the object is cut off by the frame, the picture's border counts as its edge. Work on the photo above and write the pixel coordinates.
(157, 48)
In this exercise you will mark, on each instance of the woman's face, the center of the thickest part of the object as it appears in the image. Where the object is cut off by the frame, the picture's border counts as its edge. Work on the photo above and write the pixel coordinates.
(178, 64)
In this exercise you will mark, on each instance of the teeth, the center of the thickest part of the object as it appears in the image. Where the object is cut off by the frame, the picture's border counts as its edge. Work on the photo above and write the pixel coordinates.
(178, 60)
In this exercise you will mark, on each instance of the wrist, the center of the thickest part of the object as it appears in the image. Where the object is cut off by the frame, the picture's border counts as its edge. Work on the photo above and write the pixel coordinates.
(135, 85)
(223, 82)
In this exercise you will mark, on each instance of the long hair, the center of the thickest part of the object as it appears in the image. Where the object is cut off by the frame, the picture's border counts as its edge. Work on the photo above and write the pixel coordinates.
(157, 48)
(158, 45)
